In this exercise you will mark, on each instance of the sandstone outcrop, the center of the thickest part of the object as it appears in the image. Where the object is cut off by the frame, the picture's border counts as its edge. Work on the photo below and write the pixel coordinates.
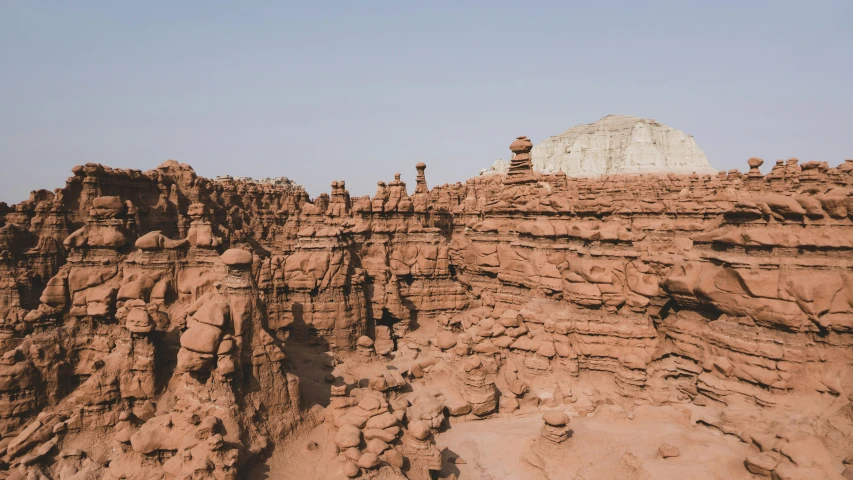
(198, 326)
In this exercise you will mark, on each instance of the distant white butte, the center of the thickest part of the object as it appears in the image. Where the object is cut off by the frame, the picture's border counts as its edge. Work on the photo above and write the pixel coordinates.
(616, 144)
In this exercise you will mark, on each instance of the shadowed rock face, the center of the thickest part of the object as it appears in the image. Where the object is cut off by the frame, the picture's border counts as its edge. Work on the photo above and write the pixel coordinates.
(159, 309)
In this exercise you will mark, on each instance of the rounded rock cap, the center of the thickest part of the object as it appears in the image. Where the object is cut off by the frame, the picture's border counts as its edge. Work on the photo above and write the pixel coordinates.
(236, 257)
(521, 145)
(556, 419)
(419, 430)
(365, 341)
(755, 162)
(110, 203)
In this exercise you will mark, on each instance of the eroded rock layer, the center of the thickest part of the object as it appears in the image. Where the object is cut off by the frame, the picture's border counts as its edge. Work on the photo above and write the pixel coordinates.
(149, 317)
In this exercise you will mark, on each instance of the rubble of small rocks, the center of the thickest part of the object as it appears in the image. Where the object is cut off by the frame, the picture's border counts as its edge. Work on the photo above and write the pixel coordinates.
(152, 321)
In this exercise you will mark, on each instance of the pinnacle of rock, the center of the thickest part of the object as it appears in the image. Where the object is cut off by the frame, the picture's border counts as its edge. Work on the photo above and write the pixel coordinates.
(520, 168)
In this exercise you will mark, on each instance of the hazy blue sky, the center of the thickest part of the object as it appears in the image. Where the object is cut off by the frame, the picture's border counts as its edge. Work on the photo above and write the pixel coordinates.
(358, 90)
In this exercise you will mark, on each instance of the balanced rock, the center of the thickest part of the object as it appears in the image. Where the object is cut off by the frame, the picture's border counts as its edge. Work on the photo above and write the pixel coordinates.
(555, 430)
(556, 418)
(236, 257)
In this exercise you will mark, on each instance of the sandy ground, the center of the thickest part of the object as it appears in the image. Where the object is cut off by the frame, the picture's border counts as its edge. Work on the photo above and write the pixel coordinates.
(604, 446)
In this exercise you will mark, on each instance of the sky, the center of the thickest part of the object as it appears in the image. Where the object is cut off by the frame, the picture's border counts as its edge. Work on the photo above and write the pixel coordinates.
(357, 91)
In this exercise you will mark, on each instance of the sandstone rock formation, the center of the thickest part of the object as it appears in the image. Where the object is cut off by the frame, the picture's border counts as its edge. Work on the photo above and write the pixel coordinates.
(162, 325)
(616, 144)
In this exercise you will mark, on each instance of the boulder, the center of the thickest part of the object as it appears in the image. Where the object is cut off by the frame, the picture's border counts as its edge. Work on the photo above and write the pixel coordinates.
(667, 451)
(348, 436)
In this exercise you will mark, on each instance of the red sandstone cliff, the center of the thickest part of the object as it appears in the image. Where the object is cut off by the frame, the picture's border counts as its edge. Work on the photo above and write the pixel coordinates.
(155, 309)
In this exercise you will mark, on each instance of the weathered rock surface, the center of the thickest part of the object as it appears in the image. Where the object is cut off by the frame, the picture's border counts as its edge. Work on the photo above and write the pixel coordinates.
(195, 325)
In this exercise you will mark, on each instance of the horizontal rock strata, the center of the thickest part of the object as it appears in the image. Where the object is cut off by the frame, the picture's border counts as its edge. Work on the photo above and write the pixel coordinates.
(160, 307)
